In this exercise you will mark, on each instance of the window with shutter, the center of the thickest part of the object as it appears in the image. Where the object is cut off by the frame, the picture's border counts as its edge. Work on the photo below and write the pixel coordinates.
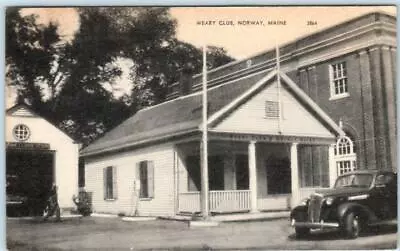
(110, 182)
(150, 179)
(143, 180)
(114, 182)
(145, 175)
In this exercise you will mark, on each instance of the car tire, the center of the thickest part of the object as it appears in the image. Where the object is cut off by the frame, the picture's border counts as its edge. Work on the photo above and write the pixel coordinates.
(352, 226)
(302, 232)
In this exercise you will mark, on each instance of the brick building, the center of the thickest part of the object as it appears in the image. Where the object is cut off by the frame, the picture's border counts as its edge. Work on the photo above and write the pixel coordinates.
(349, 71)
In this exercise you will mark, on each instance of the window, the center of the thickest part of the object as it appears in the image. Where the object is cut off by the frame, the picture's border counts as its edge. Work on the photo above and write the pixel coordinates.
(110, 183)
(242, 172)
(21, 132)
(354, 180)
(145, 177)
(193, 171)
(215, 172)
(383, 179)
(271, 109)
(345, 155)
(338, 79)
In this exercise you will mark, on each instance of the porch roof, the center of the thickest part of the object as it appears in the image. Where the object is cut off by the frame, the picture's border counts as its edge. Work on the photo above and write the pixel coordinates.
(183, 115)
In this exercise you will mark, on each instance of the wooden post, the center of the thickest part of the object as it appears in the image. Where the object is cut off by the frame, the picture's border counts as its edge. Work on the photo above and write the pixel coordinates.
(252, 177)
(294, 174)
(332, 165)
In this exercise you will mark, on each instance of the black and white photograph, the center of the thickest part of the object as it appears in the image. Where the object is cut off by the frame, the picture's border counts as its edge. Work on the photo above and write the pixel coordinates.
(201, 127)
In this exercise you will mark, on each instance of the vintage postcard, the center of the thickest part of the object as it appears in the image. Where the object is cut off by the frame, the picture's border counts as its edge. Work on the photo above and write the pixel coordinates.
(174, 128)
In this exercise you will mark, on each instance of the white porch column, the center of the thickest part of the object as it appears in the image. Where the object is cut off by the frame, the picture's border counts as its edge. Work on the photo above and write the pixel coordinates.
(294, 163)
(252, 176)
(332, 166)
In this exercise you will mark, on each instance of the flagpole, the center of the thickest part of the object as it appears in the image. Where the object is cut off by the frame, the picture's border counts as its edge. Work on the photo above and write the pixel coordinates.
(204, 153)
(278, 76)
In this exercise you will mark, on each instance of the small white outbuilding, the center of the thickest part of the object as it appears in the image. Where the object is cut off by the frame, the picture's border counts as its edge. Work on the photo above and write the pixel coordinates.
(38, 154)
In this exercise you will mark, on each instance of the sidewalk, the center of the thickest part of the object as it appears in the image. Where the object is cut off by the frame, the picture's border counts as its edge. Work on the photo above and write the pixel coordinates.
(251, 216)
(237, 217)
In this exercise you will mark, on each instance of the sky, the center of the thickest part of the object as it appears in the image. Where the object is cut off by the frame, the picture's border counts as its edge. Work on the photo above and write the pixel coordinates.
(240, 41)
(223, 26)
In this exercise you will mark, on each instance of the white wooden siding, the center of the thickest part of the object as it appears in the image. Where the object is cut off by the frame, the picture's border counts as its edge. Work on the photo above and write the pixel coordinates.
(163, 202)
(250, 117)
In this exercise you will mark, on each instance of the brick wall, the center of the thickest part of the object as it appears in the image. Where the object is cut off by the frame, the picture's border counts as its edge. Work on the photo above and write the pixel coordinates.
(368, 114)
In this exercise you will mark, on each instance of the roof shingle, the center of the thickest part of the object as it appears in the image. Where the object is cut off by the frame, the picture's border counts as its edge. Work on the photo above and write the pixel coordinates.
(182, 114)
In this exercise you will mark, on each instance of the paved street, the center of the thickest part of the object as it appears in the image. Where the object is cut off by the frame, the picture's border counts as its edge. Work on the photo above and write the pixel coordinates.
(114, 234)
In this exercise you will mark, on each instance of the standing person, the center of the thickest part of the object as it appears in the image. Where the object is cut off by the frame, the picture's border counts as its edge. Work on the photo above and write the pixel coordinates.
(52, 206)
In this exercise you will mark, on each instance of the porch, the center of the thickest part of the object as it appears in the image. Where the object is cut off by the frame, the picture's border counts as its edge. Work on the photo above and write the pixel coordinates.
(231, 201)
(255, 175)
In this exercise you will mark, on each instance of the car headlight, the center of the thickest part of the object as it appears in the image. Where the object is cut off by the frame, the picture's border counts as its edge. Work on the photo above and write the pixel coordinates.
(329, 201)
(304, 202)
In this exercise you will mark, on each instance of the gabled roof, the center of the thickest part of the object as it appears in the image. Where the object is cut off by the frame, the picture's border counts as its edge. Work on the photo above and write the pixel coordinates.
(183, 115)
(300, 94)
(24, 110)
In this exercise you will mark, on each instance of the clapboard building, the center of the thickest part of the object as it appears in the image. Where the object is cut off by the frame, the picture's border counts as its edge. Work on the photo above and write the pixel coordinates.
(274, 135)
(349, 70)
(38, 155)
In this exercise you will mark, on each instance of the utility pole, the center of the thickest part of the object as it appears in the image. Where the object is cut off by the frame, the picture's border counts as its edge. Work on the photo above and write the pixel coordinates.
(204, 201)
(278, 78)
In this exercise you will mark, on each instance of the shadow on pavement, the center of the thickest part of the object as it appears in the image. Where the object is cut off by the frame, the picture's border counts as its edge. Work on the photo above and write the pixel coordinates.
(40, 220)
(323, 235)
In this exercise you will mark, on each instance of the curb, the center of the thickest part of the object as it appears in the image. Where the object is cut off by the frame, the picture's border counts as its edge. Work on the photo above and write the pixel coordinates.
(200, 224)
(138, 218)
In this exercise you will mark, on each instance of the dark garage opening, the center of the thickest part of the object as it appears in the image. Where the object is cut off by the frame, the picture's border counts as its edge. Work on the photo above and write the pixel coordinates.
(30, 175)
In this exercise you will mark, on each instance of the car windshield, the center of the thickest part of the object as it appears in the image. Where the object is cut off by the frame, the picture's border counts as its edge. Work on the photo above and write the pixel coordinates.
(354, 180)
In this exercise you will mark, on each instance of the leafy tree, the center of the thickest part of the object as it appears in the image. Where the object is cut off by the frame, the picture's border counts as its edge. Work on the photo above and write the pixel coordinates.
(31, 56)
(86, 106)
(159, 70)
(65, 81)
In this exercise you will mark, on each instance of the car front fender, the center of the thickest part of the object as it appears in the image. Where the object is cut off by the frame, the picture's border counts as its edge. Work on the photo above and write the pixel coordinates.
(361, 210)
(298, 212)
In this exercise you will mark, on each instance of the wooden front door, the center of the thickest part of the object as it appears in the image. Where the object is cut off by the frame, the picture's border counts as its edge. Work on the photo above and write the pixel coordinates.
(278, 175)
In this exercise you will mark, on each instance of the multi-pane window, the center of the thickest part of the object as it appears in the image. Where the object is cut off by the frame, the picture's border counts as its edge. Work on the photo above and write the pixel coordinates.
(145, 177)
(345, 156)
(21, 132)
(110, 183)
(338, 78)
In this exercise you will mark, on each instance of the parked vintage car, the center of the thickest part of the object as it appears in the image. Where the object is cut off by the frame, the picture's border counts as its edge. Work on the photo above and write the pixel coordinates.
(358, 199)
(16, 203)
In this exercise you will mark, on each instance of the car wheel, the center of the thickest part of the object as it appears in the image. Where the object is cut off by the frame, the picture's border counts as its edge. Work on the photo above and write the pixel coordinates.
(352, 226)
(302, 232)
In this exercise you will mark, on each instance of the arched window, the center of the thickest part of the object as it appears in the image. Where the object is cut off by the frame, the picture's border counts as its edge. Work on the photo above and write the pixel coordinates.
(345, 155)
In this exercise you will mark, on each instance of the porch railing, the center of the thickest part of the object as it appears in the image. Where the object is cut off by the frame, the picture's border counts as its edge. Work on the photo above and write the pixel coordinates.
(229, 201)
(189, 202)
(219, 201)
